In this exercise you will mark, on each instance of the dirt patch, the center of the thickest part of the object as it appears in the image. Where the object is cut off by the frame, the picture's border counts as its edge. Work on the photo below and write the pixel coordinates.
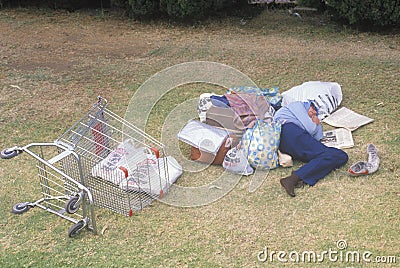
(59, 43)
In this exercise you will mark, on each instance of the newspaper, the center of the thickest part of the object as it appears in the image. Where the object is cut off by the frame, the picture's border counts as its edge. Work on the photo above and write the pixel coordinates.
(340, 138)
(346, 118)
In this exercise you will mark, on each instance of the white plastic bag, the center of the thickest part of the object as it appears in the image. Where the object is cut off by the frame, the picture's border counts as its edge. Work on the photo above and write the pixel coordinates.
(132, 168)
(236, 162)
(327, 96)
(110, 167)
(151, 177)
(285, 160)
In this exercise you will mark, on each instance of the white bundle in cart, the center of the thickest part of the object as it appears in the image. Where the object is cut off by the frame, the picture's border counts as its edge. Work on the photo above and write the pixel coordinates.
(132, 167)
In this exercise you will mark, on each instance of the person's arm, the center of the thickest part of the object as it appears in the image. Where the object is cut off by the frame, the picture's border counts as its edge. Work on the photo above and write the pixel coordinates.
(318, 132)
(310, 125)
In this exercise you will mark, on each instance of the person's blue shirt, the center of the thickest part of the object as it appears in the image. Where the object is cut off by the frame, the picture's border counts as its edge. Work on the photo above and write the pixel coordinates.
(297, 113)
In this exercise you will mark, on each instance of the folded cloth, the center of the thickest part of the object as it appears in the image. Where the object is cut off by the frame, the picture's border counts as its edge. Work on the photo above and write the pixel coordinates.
(272, 94)
(220, 101)
(249, 107)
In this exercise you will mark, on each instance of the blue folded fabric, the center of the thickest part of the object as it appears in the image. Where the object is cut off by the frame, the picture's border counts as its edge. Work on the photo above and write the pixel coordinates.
(220, 101)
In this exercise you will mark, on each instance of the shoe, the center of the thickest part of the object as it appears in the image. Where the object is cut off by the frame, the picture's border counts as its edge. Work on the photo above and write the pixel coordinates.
(299, 184)
(289, 183)
(359, 168)
(373, 158)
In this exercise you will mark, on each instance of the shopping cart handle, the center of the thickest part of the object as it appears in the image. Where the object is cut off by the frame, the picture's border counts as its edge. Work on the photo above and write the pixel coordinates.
(155, 151)
(101, 102)
(9, 153)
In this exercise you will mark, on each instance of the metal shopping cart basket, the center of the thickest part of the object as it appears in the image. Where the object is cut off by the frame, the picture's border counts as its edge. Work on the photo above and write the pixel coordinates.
(101, 160)
(124, 168)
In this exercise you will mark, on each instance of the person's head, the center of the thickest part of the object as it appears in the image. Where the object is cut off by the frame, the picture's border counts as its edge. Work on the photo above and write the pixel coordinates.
(312, 110)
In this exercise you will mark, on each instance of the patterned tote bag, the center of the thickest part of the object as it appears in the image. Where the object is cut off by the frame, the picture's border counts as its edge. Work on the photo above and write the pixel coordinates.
(262, 143)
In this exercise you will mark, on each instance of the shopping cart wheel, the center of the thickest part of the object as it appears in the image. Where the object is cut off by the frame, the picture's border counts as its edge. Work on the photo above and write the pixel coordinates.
(20, 208)
(72, 205)
(9, 153)
(76, 228)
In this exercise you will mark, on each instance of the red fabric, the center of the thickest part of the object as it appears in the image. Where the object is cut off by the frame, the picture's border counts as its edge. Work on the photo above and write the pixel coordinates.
(99, 138)
(248, 107)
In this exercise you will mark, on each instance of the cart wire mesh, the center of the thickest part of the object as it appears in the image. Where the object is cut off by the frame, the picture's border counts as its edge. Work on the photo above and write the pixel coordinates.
(59, 175)
(54, 187)
(96, 138)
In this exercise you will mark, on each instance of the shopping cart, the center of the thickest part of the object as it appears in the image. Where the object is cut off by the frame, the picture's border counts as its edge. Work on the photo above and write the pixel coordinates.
(102, 160)
(124, 168)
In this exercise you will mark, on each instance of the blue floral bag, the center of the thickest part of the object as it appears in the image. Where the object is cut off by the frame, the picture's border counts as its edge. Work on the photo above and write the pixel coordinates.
(262, 144)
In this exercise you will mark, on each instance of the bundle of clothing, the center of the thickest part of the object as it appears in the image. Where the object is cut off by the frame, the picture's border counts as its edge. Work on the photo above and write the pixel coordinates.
(248, 103)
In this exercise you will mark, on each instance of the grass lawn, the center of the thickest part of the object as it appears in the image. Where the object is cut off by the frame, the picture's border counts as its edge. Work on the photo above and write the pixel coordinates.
(55, 64)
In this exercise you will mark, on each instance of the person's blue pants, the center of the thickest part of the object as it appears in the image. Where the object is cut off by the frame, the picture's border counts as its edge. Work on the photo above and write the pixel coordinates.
(320, 159)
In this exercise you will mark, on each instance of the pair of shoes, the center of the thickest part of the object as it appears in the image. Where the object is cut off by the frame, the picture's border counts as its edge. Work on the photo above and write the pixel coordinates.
(289, 183)
(364, 168)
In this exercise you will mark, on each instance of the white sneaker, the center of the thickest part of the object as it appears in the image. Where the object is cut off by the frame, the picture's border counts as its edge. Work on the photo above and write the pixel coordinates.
(373, 158)
(359, 168)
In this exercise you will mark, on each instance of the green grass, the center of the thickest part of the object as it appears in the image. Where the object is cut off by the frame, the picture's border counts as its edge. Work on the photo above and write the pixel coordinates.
(72, 58)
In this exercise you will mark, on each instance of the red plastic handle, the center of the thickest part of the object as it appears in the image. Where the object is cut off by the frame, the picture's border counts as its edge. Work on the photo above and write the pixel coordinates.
(155, 151)
(124, 170)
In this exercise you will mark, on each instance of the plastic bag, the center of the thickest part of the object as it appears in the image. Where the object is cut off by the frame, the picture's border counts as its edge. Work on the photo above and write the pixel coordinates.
(285, 160)
(110, 167)
(327, 96)
(262, 143)
(236, 162)
(150, 176)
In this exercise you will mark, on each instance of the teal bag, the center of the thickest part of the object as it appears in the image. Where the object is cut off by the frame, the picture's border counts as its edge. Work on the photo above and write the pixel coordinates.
(262, 143)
